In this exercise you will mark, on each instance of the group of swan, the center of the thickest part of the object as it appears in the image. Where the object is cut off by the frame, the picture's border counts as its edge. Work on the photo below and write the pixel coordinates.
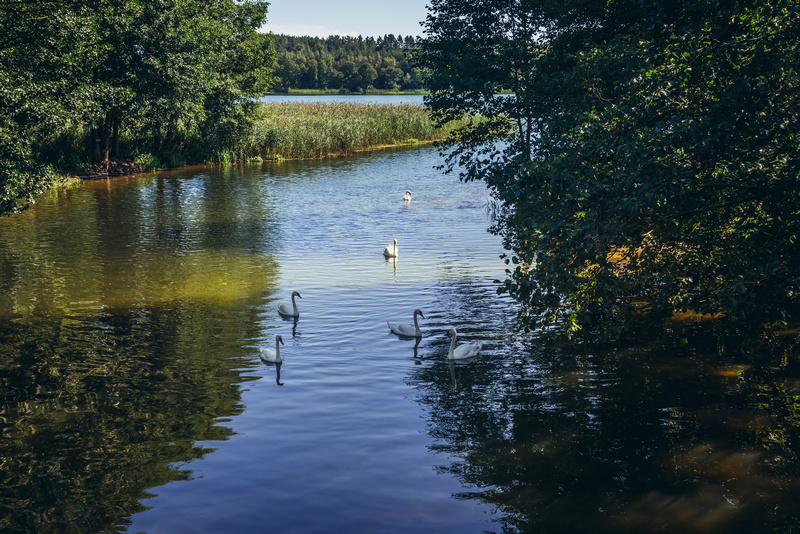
(391, 250)
(461, 352)
(286, 310)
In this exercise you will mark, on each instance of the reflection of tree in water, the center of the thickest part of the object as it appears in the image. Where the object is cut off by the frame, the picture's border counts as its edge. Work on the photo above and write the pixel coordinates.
(655, 439)
(96, 411)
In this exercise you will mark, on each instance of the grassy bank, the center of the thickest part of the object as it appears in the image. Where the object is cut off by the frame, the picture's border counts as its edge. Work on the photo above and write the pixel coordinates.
(311, 130)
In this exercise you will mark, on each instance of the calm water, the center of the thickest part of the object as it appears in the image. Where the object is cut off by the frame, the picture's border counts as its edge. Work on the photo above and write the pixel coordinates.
(133, 395)
(355, 99)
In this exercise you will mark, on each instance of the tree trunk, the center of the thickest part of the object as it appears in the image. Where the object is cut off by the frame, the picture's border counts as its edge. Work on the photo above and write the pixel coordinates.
(107, 135)
(115, 135)
(94, 143)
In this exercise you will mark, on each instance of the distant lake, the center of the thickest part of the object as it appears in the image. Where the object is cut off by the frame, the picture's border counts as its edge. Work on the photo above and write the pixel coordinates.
(356, 99)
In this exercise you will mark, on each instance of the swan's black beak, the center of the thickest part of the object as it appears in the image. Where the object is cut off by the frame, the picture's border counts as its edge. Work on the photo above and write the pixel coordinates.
(280, 340)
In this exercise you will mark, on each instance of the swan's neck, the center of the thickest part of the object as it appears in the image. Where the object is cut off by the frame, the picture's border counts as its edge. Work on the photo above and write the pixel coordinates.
(416, 326)
(294, 305)
(452, 347)
(277, 350)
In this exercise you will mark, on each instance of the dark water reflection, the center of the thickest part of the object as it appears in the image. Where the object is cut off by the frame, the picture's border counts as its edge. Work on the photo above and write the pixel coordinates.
(654, 439)
(133, 395)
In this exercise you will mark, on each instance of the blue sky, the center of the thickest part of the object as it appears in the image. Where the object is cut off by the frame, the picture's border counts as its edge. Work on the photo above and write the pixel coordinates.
(321, 18)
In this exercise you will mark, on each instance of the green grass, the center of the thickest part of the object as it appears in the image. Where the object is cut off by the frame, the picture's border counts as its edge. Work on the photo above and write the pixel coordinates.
(313, 130)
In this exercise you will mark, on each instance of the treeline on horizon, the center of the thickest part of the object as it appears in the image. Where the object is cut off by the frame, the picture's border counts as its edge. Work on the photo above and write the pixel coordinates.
(346, 64)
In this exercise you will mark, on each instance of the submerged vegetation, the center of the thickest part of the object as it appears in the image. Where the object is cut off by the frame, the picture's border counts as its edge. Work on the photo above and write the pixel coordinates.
(311, 130)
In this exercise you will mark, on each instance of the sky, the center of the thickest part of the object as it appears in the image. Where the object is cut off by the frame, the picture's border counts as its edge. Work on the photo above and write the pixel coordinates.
(321, 18)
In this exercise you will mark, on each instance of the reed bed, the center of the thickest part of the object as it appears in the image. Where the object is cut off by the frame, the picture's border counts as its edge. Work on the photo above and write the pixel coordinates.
(315, 130)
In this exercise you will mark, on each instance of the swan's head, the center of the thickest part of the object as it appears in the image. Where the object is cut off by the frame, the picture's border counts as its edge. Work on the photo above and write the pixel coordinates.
(395, 241)
(452, 332)
(279, 339)
(419, 312)
(296, 294)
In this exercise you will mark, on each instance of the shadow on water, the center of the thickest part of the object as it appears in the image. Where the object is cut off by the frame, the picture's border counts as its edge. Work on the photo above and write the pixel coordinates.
(95, 411)
(120, 355)
(655, 438)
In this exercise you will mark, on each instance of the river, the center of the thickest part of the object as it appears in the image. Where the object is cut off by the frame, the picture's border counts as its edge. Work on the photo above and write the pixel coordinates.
(133, 311)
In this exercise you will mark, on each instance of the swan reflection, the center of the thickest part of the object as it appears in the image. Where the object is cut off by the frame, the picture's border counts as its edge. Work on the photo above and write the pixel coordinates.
(393, 262)
(273, 357)
(417, 359)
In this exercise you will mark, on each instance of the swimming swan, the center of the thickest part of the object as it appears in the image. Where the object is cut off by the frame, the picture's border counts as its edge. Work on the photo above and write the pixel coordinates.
(463, 351)
(407, 198)
(272, 356)
(287, 310)
(391, 251)
(407, 329)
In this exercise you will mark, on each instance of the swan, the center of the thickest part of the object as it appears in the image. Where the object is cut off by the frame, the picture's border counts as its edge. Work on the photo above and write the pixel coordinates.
(391, 251)
(463, 351)
(272, 356)
(287, 310)
(407, 198)
(407, 329)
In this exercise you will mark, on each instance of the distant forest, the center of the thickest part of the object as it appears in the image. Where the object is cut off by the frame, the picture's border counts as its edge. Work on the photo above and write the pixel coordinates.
(351, 64)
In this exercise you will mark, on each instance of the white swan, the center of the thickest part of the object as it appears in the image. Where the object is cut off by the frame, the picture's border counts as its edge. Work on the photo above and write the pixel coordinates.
(407, 329)
(391, 251)
(407, 198)
(290, 310)
(272, 356)
(463, 351)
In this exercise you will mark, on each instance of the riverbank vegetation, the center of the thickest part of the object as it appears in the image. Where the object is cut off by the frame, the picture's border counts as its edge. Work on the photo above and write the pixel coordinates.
(86, 81)
(652, 164)
(310, 130)
(346, 64)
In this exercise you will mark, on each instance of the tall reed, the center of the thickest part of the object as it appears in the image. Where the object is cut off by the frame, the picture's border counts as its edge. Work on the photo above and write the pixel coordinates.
(314, 130)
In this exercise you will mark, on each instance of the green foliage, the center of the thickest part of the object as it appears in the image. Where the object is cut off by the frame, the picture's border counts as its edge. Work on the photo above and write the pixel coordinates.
(166, 77)
(653, 166)
(346, 63)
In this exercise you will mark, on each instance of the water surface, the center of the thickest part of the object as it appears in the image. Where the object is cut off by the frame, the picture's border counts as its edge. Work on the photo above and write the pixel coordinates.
(352, 99)
(133, 396)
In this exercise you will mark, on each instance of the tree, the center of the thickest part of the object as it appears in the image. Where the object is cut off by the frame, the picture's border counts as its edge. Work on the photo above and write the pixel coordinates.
(367, 73)
(652, 166)
(82, 68)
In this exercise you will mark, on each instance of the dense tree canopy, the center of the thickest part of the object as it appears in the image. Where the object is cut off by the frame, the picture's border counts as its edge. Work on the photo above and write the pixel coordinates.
(649, 163)
(346, 63)
(74, 75)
